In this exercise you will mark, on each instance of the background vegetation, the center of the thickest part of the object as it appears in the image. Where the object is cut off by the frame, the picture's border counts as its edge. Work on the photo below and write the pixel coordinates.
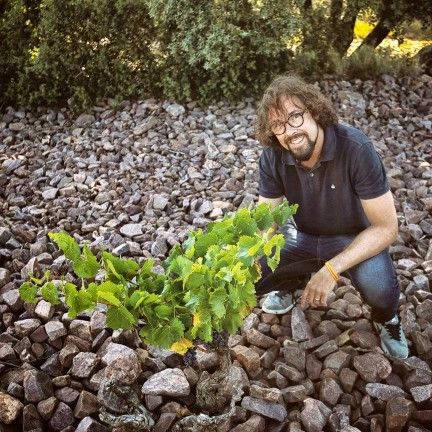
(81, 52)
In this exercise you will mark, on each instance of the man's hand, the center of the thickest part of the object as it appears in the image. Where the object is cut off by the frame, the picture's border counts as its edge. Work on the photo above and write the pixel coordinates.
(317, 289)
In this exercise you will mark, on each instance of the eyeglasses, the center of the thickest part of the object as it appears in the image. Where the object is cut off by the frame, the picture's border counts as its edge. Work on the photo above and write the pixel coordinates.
(295, 120)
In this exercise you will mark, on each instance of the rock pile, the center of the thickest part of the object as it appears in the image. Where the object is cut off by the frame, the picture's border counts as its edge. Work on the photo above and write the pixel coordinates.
(135, 181)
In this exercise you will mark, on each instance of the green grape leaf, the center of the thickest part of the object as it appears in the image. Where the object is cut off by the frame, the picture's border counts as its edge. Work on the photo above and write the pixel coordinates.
(164, 311)
(28, 292)
(127, 268)
(196, 277)
(283, 212)
(180, 266)
(203, 242)
(216, 300)
(67, 244)
(50, 293)
(277, 241)
(88, 266)
(108, 298)
(245, 244)
(165, 334)
(263, 216)
(120, 318)
(232, 322)
(147, 267)
(244, 223)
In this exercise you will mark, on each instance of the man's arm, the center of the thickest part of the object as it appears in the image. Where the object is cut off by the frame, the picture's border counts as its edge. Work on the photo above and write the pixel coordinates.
(272, 202)
(381, 233)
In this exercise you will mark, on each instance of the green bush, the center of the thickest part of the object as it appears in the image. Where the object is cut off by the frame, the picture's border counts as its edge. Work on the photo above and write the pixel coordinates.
(18, 19)
(369, 63)
(221, 49)
(89, 50)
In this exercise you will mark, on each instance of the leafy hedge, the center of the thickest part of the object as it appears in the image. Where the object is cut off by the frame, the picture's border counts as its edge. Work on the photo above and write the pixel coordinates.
(81, 52)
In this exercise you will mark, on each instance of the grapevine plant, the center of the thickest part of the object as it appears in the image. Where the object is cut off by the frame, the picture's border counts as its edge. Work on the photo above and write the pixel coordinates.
(205, 291)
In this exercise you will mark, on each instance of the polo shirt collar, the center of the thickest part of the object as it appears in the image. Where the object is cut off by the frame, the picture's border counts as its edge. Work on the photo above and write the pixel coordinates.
(328, 152)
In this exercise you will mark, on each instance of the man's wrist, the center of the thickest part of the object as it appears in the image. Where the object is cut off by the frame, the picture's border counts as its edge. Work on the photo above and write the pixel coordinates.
(332, 271)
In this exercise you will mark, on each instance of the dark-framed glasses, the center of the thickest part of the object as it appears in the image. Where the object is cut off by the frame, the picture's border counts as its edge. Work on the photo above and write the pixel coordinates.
(295, 120)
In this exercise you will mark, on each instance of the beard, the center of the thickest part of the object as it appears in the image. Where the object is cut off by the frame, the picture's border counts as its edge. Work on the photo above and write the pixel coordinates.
(304, 151)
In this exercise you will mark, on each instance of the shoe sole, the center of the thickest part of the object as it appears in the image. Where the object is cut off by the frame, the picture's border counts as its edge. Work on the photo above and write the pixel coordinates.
(279, 312)
(384, 348)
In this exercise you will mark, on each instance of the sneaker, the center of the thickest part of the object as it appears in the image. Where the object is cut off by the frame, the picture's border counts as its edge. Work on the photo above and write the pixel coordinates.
(393, 340)
(278, 303)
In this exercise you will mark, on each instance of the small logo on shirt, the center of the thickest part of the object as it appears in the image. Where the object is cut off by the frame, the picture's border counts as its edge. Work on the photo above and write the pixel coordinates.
(333, 186)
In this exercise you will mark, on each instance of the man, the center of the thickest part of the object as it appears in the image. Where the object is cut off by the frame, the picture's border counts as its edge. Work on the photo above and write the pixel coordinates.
(346, 218)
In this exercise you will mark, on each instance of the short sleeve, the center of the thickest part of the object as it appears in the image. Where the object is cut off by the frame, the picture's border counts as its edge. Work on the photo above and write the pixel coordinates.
(368, 175)
(270, 186)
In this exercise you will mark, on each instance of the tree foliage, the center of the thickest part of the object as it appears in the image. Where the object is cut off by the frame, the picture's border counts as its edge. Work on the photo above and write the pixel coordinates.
(85, 51)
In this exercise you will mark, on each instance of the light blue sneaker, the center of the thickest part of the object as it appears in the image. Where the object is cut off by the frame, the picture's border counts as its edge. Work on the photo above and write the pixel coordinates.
(393, 340)
(278, 303)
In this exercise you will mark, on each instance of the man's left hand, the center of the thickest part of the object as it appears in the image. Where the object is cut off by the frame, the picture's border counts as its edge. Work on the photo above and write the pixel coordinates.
(317, 289)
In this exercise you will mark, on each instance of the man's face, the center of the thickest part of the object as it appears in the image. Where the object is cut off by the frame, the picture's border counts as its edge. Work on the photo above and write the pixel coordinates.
(299, 138)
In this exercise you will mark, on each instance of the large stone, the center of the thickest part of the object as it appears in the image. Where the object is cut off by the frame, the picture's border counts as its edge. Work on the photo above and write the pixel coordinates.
(372, 367)
(114, 351)
(88, 424)
(84, 364)
(169, 382)
(26, 326)
(249, 359)
(259, 339)
(131, 230)
(398, 412)
(37, 386)
(300, 327)
(62, 417)
(421, 393)
(336, 361)
(268, 409)
(314, 415)
(55, 330)
(11, 408)
(384, 392)
(330, 391)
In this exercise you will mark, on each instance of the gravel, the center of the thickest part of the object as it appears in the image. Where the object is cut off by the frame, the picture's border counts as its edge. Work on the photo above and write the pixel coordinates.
(135, 181)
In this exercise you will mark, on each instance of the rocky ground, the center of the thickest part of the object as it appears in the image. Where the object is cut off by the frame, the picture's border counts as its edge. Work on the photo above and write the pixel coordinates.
(135, 180)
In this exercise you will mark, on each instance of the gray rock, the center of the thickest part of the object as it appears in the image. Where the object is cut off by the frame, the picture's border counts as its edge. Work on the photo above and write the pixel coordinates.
(314, 415)
(131, 230)
(268, 409)
(37, 386)
(62, 417)
(11, 408)
(160, 202)
(55, 330)
(372, 367)
(26, 326)
(84, 364)
(421, 393)
(383, 391)
(175, 110)
(84, 120)
(88, 424)
(169, 382)
(299, 325)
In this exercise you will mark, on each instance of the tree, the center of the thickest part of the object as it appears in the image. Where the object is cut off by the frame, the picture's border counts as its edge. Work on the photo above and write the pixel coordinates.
(392, 15)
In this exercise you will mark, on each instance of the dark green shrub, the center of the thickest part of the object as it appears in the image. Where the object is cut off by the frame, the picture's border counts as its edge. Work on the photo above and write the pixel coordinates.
(18, 19)
(369, 63)
(221, 49)
(89, 50)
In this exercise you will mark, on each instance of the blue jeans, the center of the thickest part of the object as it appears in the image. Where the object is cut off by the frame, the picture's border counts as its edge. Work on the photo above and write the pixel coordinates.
(302, 254)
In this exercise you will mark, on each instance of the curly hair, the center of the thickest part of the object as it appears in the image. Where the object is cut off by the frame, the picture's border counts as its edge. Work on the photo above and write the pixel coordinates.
(289, 86)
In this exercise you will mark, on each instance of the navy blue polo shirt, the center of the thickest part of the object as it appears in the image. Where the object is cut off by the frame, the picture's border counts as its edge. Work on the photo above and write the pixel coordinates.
(328, 194)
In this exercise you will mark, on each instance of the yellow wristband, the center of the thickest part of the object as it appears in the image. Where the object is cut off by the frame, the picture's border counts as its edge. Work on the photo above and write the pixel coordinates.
(332, 271)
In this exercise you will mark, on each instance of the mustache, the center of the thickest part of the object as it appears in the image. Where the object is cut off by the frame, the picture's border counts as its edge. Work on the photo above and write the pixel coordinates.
(294, 136)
